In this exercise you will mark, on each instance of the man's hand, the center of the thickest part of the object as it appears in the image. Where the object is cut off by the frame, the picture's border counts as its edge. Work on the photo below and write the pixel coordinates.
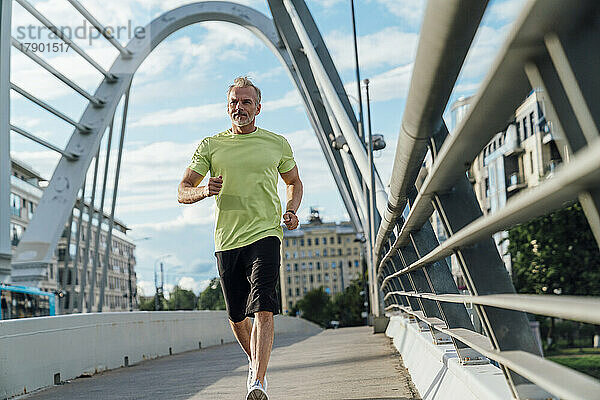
(290, 220)
(214, 186)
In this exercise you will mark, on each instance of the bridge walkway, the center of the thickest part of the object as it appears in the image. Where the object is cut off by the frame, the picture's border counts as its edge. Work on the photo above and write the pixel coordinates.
(348, 363)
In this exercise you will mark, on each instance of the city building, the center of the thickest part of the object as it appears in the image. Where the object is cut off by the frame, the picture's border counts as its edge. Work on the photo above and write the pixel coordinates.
(318, 254)
(26, 191)
(522, 155)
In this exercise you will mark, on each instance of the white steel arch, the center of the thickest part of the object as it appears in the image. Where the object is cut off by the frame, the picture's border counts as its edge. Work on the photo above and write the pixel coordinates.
(38, 244)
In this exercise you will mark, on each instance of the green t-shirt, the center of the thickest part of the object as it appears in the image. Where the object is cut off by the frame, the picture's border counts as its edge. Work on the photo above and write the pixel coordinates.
(248, 206)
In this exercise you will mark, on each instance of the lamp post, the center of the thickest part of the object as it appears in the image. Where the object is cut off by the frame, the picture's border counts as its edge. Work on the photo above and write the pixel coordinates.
(130, 260)
(156, 280)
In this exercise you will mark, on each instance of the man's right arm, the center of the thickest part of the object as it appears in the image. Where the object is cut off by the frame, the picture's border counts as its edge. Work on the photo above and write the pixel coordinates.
(189, 193)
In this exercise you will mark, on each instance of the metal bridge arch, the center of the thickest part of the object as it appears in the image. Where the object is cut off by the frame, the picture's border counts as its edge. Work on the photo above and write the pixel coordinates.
(38, 244)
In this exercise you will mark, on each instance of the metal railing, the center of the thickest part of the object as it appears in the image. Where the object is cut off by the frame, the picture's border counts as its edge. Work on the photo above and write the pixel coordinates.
(548, 49)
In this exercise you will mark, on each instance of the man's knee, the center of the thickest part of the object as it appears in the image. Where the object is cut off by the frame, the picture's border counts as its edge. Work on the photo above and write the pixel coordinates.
(236, 323)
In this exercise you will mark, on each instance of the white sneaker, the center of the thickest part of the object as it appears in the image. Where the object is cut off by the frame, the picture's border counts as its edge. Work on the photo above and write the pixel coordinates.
(257, 392)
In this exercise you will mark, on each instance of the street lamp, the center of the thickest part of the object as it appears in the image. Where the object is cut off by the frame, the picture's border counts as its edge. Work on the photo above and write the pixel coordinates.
(156, 279)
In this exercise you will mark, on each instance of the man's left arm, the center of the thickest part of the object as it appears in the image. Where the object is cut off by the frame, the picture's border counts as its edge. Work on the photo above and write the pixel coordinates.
(294, 191)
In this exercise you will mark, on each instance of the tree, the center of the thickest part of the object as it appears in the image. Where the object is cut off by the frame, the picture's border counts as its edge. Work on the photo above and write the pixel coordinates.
(212, 298)
(555, 254)
(316, 307)
(348, 305)
(181, 299)
(146, 303)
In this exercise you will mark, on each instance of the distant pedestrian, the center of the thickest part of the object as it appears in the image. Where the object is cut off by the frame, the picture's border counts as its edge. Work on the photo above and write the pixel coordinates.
(244, 163)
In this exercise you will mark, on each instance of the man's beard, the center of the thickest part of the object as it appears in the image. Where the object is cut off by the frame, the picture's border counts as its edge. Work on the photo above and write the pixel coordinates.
(246, 121)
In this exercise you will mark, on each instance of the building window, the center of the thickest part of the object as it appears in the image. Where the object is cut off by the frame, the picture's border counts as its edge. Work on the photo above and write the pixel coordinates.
(324, 252)
(301, 254)
(289, 280)
(339, 240)
(339, 251)
(287, 254)
(294, 242)
(331, 240)
(325, 265)
(296, 267)
(531, 161)
(316, 241)
(290, 294)
(287, 243)
(317, 253)
(525, 133)
(319, 278)
(295, 254)
(308, 242)
(304, 290)
(312, 278)
(309, 253)
(16, 233)
(356, 263)
(303, 266)
(318, 266)
(326, 277)
(302, 242)
(531, 126)
(288, 267)
(333, 265)
(297, 291)
(296, 279)
(15, 204)
(310, 266)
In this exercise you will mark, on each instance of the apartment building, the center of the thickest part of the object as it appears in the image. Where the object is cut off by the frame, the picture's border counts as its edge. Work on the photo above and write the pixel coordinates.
(27, 187)
(318, 254)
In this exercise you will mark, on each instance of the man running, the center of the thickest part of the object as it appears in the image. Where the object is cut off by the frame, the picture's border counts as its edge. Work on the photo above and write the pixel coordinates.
(244, 164)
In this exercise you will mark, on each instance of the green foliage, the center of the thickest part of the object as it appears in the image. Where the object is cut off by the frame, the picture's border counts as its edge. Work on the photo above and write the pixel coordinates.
(181, 299)
(349, 304)
(212, 297)
(556, 253)
(315, 306)
(345, 307)
(587, 364)
(146, 304)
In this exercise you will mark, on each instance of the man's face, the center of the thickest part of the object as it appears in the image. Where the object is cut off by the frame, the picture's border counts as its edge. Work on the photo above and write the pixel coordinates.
(242, 105)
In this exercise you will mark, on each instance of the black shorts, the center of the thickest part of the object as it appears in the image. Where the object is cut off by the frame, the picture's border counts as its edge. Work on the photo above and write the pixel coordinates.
(249, 277)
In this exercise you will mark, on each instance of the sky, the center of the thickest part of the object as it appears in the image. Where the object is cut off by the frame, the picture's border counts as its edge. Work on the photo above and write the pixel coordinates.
(178, 97)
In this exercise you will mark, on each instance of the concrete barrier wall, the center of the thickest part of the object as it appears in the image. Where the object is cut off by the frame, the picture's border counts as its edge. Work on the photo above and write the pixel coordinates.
(436, 370)
(34, 350)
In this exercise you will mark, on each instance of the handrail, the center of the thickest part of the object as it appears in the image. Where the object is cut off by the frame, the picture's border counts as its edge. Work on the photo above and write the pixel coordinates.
(547, 374)
(574, 308)
(571, 179)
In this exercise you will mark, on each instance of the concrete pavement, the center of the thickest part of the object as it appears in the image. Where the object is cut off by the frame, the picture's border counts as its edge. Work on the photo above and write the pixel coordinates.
(349, 363)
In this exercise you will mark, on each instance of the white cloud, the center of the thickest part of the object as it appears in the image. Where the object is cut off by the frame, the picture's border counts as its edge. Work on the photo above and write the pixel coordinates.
(389, 85)
(192, 215)
(185, 115)
(409, 11)
(506, 10)
(388, 47)
(146, 288)
(192, 284)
